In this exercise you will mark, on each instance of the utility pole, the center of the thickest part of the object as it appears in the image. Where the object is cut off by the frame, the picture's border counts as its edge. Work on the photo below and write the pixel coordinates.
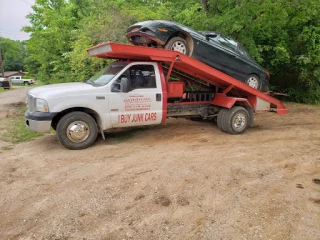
(1, 62)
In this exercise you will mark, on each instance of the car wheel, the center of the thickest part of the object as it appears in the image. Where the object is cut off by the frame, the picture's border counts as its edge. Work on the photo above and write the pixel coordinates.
(253, 81)
(26, 83)
(77, 130)
(178, 44)
(235, 120)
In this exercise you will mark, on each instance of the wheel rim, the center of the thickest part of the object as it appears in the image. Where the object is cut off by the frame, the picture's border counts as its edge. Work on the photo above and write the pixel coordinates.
(239, 121)
(253, 82)
(78, 131)
(179, 46)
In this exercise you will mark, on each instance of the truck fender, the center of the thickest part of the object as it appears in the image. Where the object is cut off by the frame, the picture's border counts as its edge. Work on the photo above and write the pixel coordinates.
(62, 109)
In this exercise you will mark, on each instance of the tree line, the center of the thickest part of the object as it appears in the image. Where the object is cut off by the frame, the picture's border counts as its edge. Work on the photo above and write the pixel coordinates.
(13, 54)
(282, 35)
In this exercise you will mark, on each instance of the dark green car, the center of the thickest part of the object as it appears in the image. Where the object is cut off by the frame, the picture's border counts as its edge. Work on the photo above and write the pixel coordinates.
(214, 49)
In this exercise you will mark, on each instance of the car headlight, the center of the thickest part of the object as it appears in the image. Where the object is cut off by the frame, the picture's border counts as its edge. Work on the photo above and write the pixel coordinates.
(42, 105)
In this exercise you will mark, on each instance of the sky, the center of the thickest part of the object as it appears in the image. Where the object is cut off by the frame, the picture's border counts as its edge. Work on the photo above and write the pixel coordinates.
(13, 17)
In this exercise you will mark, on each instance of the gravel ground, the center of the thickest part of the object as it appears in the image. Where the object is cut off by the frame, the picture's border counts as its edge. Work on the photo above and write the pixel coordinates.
(180, 180)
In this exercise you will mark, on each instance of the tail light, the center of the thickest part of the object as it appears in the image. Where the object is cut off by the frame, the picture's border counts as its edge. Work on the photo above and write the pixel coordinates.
(163, 30)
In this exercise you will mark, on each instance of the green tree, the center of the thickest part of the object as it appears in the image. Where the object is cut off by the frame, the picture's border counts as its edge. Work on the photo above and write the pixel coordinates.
(13, 54)
(282, 35)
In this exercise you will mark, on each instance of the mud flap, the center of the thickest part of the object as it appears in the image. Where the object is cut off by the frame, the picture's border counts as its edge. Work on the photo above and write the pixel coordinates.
(102, 134)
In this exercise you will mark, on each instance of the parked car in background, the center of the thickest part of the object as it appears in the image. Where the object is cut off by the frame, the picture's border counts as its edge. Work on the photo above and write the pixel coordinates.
(214, 49)
(20, 80)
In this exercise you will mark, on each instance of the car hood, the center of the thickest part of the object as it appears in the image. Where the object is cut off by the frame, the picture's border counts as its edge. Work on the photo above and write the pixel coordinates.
(62, 89)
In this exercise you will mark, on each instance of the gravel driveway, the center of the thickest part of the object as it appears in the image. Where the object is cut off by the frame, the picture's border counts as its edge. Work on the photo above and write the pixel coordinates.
(180, 180)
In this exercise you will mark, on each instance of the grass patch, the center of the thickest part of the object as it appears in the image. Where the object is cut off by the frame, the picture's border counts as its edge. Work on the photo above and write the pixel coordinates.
(13, 128)
(5, 90)
(6, 148)
(2, 90)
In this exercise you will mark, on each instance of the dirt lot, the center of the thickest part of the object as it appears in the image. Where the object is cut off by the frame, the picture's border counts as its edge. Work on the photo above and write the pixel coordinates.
(181, 180)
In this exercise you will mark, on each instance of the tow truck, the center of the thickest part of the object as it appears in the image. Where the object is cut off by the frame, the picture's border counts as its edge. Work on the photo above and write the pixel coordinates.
(143, 86)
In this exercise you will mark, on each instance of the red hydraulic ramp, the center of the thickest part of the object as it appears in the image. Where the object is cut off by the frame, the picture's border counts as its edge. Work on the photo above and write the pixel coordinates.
(229, 85)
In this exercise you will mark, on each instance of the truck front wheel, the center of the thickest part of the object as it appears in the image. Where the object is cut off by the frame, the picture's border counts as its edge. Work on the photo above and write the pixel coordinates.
(77, 130)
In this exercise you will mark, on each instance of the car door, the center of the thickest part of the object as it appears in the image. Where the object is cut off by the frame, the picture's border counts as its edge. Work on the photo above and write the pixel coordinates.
(143, 102)
(221, 53)
(208, 52)
(230, 62)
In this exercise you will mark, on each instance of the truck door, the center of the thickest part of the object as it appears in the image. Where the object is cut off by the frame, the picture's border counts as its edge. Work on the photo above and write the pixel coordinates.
(142, 102)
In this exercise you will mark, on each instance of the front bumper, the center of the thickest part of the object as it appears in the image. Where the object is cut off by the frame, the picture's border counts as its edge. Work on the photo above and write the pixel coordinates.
(39, 121)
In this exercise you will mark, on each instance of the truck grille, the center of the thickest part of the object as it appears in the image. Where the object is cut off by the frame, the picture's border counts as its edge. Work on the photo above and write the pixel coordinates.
(31, 103)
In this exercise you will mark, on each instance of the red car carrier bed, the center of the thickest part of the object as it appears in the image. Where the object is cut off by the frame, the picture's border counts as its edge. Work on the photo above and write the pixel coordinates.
(226, 85)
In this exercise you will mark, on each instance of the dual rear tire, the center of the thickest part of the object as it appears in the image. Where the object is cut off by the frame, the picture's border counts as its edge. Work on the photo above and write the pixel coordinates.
(234, 120)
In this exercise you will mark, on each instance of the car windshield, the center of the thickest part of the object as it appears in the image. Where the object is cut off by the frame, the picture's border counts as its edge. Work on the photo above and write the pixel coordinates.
(105, 75)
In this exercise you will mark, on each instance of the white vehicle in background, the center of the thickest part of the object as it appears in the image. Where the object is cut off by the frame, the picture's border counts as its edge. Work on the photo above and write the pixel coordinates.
(20, 80)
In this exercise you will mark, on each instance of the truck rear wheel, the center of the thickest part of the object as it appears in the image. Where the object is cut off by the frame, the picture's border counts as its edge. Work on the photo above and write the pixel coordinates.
(234, 120)
(26, 83)
(77, 130)
(220, 118)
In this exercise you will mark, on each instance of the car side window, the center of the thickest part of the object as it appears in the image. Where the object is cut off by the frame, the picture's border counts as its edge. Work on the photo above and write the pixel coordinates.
(225, 42)
(244, 52)
(139, 76)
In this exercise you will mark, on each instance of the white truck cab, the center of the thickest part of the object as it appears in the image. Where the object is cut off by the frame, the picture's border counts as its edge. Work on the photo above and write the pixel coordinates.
(121, 95)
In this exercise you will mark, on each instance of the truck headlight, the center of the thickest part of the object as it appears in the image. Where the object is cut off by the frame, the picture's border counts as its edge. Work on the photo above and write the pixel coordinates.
(42, 105)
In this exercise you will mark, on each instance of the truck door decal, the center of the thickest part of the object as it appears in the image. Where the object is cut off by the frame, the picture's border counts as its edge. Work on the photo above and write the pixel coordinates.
(137, 102)
(137, 117)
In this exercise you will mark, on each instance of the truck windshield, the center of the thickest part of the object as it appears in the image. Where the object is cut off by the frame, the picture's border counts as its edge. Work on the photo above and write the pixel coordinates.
(105, 75)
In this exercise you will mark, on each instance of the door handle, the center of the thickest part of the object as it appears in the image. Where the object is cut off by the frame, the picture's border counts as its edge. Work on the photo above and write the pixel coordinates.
(158, 97)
